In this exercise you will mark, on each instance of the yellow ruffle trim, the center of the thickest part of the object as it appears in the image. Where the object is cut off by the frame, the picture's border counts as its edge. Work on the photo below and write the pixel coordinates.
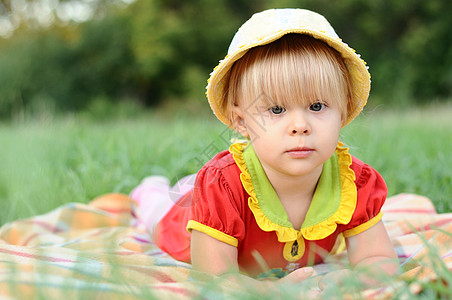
(318, 231)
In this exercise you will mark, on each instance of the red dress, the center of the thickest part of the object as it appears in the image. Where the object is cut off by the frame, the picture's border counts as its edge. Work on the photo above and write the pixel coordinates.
(232, 202)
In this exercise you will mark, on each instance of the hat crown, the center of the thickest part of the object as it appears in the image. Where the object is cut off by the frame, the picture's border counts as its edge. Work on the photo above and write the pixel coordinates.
(267, 23)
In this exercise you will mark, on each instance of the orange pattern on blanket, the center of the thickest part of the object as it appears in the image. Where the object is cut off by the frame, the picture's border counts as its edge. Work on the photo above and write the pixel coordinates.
(95, 251)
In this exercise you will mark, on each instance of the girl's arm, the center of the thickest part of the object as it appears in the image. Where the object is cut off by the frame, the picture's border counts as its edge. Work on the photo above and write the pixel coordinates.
(215, 257)
(373, 249)
(211, 255)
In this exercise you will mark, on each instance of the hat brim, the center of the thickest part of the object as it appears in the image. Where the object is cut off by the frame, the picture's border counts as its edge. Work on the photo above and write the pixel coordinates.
(359, 75)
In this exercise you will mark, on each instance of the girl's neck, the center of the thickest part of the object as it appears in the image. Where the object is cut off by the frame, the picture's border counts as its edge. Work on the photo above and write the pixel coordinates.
(294, 188)
(295, 193)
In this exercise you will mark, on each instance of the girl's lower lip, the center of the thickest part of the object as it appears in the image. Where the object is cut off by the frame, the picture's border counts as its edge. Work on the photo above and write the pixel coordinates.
(300, 153)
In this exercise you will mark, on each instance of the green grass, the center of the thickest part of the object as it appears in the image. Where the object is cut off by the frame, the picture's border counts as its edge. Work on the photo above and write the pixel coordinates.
(51, 161)
(411, 149)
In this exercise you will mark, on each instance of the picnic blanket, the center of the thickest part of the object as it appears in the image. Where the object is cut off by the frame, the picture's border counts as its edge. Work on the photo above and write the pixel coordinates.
(95, 251)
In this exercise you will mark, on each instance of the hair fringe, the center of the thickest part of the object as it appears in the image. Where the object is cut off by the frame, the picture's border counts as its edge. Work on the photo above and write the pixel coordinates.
(293, 69)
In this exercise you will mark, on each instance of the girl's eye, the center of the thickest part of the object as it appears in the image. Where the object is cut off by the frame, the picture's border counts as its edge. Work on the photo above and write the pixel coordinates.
(277, 110)
(318, 106)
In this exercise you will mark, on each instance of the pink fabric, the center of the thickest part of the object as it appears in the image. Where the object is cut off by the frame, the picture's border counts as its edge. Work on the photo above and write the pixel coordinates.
(155, 197)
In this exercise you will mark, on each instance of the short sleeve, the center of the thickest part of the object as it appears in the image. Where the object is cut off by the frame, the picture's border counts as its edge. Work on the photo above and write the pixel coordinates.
(216, 206)
(371, 195)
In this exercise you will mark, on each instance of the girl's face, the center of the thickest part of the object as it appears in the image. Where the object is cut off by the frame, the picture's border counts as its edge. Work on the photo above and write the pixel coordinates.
(292, 140)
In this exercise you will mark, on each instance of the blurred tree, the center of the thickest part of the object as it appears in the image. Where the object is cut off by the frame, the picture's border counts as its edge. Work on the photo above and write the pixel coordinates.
(176, 43)
(66, 67)
(103, 62)
(33, 67)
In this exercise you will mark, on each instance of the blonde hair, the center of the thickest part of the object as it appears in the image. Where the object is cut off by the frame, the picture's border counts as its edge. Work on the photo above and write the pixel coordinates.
(293, 69)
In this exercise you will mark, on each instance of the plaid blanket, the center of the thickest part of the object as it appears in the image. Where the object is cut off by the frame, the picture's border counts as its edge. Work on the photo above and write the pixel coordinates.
(96, 251)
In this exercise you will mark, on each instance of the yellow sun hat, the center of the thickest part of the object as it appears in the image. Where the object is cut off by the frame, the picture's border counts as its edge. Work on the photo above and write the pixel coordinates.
(267, 26)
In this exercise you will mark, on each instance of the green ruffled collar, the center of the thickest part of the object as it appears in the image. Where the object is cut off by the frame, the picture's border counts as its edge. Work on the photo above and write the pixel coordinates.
(333, 203)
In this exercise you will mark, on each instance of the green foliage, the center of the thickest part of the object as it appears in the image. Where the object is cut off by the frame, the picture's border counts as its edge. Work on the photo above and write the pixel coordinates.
(104, 63)
(153, 50)
(65, 68)
(24, 78)
(177, 43)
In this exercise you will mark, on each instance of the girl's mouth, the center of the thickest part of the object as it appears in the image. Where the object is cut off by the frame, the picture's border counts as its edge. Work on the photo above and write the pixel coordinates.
(300, 152)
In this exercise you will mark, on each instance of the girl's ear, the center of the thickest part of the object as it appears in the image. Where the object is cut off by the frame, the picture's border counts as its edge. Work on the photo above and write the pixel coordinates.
(238, 122)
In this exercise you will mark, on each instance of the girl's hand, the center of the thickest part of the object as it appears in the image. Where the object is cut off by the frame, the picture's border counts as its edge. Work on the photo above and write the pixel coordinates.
(298, 275)
(334, 278)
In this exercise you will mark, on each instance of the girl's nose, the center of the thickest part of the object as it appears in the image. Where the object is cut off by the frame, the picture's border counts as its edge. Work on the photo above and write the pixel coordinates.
(299, 124)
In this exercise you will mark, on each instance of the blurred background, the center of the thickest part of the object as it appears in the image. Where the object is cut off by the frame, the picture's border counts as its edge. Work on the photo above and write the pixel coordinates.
(66, 56)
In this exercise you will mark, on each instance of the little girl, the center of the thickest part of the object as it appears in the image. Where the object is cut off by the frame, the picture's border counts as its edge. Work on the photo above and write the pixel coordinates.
(281, 200)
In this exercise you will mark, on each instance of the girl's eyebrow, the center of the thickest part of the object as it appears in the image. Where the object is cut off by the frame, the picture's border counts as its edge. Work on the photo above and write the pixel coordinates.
(266, 101)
